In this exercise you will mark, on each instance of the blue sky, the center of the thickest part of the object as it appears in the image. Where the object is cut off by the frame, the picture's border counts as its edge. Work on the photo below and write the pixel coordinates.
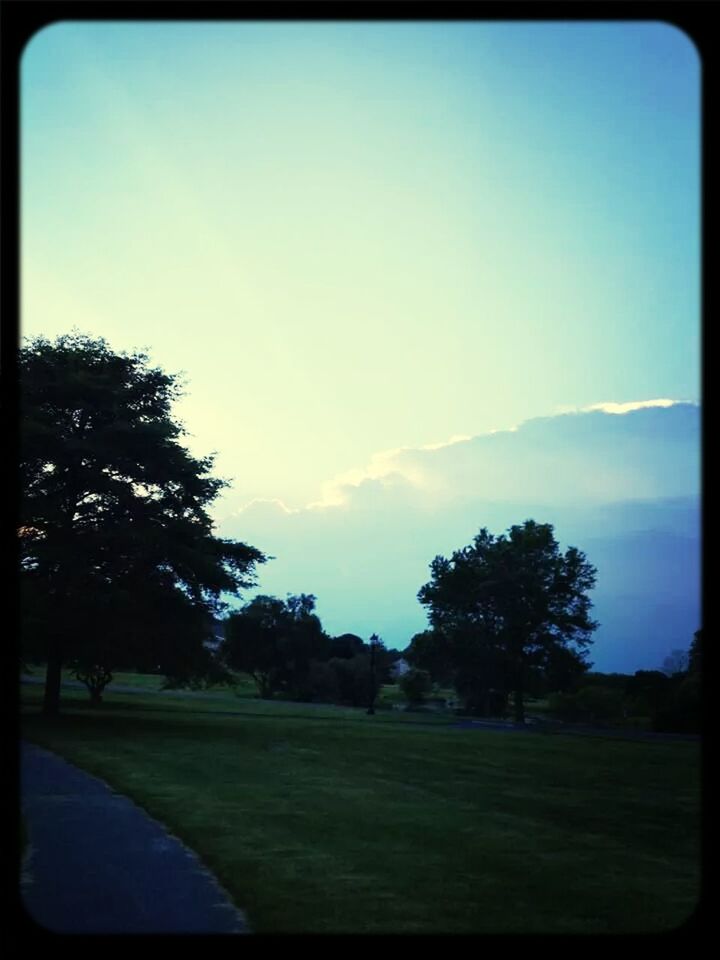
(360, 237)
(622, 484)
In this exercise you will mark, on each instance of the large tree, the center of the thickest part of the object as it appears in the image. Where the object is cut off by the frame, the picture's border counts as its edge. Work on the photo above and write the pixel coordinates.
(504, 606)
(695, 653)
(429, 651)
(118, 555)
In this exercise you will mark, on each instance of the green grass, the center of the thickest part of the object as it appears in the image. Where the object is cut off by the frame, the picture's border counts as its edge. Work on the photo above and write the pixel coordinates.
(391, 694)
(245, 685)
(322, 819)
(148, 681)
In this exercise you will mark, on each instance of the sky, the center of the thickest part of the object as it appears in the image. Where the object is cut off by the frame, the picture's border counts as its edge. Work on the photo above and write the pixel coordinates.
(355, 239)
(622, 486)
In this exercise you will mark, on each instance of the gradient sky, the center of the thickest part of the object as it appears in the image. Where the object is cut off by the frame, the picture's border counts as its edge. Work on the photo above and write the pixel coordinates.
(622, 485)
(357, 237)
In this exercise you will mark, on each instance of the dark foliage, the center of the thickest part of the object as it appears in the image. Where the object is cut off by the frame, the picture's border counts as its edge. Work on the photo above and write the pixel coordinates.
(345, 646)
(591, 704)
(118, 557)
(354, 680)
(276, 642)
(416, 685)
(503, 608)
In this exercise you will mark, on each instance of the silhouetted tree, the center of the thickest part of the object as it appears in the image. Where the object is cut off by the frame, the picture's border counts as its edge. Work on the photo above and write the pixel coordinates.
(384, 659)
(345, 646)
(564, 669)
(648, 691)
(95, 677)
(117, 549)
(505, 604)
(354, 680)
(429, 651)
(671, 697)
(276, 642)
(320, 684)
(676, 662)
(695, 653)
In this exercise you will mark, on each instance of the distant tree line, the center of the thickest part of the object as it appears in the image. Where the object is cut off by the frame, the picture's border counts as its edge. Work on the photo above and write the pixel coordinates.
(670, 699)
(281, 644)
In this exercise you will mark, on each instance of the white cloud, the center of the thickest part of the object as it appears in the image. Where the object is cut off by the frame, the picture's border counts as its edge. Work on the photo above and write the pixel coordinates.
(599, 479)
(457, 438)
(563, 457)
(382, 466)
(621, 408)
(261, 505)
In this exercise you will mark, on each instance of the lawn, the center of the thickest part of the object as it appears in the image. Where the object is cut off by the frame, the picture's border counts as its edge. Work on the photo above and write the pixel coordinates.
(245, 687)
(319, 819)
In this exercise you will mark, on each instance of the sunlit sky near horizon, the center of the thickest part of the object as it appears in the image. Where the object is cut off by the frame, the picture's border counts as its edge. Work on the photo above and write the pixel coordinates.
(356, 237)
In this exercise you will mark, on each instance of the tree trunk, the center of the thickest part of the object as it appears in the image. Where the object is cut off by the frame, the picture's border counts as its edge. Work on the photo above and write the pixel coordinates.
(51, 702)
(95, 696)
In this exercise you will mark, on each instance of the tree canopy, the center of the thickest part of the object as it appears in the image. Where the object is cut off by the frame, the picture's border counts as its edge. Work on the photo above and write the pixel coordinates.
(677, 661)
(276, 641)
(695, 653)
(504, 607)
(118, 556)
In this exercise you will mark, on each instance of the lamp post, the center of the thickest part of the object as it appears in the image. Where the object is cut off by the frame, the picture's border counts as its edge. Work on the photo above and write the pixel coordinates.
(374, 640)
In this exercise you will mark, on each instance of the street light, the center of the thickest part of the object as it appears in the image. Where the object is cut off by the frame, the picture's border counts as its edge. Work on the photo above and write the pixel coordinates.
(374, 641)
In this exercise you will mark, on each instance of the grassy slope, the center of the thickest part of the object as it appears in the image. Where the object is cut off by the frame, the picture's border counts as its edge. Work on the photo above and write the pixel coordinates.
(328, 820)
(245, 684)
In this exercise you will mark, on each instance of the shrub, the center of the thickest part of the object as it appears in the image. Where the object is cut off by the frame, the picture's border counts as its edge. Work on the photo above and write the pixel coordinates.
(682, 713)
(354, 679)
(563, 706)
(320, 684)
(600, 703)
(648, 691)
(415, 684)
(479, 699)
(593, 704)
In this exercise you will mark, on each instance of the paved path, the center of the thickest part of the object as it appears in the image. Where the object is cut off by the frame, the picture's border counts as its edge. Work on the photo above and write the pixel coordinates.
(580, 730)
(99, 864)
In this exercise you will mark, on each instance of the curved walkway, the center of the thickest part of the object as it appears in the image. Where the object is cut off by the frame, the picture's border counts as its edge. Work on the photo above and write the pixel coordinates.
(97, 863)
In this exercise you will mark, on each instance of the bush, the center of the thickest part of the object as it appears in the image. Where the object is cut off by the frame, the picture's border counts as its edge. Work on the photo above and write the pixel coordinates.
(683, 712)
(478, 699)
(354, 680)
(563, 706)
(649, 691)
(600, 703)
(593, 704)
(319, 685)
(415, 684)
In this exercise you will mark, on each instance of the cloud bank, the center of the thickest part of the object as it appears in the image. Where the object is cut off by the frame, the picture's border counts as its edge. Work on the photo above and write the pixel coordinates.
(619, 480)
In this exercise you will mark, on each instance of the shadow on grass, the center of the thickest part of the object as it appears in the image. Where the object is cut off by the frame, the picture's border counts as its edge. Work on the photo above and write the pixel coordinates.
(114, 712)
(118, 704)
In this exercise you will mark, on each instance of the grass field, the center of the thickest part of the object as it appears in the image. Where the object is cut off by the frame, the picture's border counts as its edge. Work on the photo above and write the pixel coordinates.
(245, 684)
(319, 819)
